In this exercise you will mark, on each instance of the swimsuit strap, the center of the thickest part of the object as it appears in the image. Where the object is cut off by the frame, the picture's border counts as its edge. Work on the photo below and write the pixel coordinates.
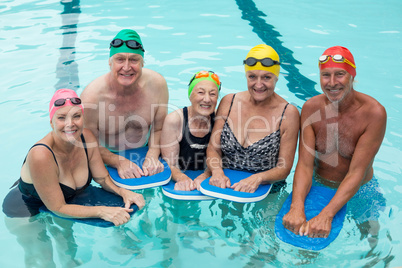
(42, 144)
(38, 144)
(185, 120)
(89, 170)
(280, 122)
(230, 108)
(85, 145)
(212, 121)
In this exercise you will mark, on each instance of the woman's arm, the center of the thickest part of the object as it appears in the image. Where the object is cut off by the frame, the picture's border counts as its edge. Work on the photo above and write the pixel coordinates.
(214, 152)
(101, 175)
(170, 147)
(44, 173)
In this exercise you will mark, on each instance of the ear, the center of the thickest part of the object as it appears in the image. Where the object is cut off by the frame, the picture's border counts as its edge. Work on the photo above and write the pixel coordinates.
(51, 123)
(110, 62)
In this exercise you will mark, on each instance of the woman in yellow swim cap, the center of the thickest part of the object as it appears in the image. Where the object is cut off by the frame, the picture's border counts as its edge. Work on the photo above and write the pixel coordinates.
(255, 130)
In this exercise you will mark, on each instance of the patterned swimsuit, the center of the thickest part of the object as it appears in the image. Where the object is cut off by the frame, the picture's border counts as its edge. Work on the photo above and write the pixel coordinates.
(259, 156)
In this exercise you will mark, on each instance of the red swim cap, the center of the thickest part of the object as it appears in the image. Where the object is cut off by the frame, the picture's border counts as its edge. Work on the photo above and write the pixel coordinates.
(343, 51)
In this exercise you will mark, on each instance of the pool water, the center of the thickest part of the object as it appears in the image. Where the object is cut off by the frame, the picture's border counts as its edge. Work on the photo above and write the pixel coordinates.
(47, 45)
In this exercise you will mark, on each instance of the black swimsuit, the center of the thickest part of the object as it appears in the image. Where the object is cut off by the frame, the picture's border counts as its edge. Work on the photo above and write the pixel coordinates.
(193, 149)
(24, 201)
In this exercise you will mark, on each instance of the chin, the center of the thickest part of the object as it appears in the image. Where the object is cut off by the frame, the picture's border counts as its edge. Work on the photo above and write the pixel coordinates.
(336, 99)
(205, 112)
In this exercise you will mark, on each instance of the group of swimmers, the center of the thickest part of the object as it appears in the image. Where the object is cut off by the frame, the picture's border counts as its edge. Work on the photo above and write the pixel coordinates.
(254, 130)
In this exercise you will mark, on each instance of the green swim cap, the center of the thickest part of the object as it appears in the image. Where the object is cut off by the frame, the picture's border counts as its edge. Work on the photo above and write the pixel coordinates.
(120, 47)
(201, 76)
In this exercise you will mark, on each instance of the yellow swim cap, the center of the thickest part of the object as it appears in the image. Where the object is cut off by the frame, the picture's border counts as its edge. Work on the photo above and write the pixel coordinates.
(259, 54)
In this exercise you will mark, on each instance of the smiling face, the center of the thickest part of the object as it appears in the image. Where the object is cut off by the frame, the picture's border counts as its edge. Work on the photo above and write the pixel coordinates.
(126, 68)
(67, 123)
(261, 84)
(336, 83)
(204, 97)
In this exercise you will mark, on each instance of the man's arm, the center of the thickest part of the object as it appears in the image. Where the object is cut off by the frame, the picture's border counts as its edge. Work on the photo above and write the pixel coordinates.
(152, 165)
(302, 180)
(90, 100)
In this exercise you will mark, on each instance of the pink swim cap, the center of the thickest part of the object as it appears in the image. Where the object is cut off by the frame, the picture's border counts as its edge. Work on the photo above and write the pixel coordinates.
(69, 97)
(348, 64)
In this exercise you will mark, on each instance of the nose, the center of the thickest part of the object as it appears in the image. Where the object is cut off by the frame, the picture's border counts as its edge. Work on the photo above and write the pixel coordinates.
(126, 64)
(207, 98)
(332, 80)
(258, 83)
(69, 121)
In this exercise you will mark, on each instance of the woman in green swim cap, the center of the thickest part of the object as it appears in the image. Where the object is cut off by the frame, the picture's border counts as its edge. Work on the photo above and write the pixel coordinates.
(186, 132)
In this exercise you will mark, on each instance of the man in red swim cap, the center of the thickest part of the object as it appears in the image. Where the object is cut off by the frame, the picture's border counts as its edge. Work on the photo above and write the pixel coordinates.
(342, 131)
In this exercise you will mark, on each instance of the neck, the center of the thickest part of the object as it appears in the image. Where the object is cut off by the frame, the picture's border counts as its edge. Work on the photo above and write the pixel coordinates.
(267, 102)
(346, 103)
(62, 146)
(119, 89)
(198, 120)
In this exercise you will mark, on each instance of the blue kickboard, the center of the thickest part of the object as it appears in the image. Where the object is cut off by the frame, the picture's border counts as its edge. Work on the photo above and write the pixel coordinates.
(137, 156)
(169, 190)
(94, 196)
(232, 195)
(316, 200)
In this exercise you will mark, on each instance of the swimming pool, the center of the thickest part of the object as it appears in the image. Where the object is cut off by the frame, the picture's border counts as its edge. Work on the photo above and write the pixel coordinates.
(51, 44)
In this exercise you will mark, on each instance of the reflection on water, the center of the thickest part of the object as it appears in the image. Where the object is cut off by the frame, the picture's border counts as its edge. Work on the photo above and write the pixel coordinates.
(67, 67)
(301, 86)
(35, 235)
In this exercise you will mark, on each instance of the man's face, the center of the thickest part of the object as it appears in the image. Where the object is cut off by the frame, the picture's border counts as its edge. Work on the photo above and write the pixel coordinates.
(336, 83)
(126, 68)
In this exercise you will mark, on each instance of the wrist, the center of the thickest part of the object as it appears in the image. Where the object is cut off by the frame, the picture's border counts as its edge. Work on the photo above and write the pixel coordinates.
(328, 213)
(183, 177)
(217, 171)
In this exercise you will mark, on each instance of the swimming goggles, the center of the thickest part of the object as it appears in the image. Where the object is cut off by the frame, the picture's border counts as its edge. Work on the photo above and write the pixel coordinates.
(129, 43)
(201, 74)
(335, 58)
(61, 102)
(266, 62)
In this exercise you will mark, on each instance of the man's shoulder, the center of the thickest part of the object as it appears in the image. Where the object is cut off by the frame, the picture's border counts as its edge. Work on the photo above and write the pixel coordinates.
(94, 89)
(154, 81)
(371, 105)
(153, 75)
(315, 102)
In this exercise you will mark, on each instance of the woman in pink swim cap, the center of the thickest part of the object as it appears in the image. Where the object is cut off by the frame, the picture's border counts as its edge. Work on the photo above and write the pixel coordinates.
(61, 165)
